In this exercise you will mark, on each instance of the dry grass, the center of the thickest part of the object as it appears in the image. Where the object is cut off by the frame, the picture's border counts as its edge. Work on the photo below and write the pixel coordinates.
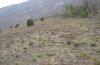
(56, 41)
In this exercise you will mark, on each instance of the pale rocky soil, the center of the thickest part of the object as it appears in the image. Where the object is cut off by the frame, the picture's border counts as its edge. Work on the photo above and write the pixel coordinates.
(56, 41)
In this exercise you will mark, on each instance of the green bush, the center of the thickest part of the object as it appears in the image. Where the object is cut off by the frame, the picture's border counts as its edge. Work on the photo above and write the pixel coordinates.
(17, 25)
(30, 22)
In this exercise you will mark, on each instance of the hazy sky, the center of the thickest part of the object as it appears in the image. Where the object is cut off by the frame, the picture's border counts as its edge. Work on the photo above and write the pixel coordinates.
(4, 3)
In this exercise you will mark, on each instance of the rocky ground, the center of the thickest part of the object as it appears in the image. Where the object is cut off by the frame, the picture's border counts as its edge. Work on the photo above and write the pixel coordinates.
(56, 41)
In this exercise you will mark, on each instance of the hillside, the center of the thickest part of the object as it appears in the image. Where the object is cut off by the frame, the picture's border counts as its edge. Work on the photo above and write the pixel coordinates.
(56, 41)
(14, 14)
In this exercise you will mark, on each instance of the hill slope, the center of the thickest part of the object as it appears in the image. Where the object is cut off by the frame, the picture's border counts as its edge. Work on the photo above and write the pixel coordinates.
(19, 13)
(56, 41)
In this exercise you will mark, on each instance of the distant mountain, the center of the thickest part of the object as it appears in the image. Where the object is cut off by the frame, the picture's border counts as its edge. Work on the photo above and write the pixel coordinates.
(19, 13)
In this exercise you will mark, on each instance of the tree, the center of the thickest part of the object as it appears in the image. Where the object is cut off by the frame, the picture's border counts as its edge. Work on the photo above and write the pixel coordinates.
(70, 11)
(90, 7)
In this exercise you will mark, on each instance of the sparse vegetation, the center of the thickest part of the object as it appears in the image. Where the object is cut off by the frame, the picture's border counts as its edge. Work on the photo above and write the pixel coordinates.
(52, 40)
(76, 45)
(30, 22)
(58, 41)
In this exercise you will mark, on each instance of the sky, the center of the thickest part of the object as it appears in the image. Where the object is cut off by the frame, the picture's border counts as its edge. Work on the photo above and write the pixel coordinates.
(4, 3)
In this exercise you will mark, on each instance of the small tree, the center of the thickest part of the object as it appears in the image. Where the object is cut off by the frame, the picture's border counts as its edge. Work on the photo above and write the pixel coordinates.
(30, 22)
(17, 25)
(73, 11)
(83, 12)
(70, 11)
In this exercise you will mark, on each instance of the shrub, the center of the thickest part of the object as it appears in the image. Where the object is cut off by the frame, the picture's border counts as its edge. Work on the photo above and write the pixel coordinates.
(76, 45)
(30, 22)
(42, 19)
(93, 45)
(50, 55)
(68, 42)
(17, 25)
(11, 27)
(31, 43)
